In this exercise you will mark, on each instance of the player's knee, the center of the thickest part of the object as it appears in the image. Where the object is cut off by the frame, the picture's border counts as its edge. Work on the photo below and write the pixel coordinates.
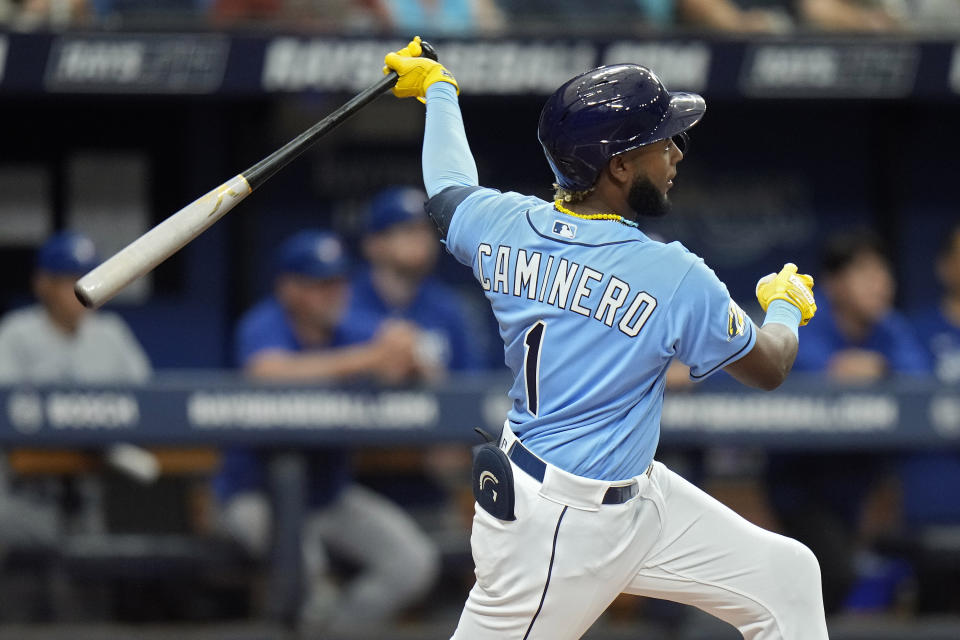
(799, 573)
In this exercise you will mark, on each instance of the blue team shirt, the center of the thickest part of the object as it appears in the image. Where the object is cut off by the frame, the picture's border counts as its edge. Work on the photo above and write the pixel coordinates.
(434, 309)
(942, 341)
(924, 474)
(591, 313)
(264, 327)
(892, 336)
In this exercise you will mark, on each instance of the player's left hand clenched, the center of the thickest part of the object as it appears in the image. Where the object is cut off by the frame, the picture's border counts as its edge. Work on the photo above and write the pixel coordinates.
(790, 286)
(416, 73)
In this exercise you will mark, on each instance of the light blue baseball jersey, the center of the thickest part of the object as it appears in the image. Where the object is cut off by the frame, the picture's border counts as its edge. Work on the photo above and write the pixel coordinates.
(591, 312)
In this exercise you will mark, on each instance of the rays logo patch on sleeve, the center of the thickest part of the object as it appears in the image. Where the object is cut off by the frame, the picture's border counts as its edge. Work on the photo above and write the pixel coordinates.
(735, 321)
(564, 229)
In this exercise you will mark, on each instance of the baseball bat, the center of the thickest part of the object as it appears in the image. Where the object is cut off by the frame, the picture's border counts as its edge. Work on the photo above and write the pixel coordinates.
(162, 241)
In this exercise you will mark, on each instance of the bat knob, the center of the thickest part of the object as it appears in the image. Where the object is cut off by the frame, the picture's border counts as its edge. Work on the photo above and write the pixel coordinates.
(427, 50)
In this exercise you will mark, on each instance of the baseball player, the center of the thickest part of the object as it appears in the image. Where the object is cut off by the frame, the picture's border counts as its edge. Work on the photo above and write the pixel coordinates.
(572, 509)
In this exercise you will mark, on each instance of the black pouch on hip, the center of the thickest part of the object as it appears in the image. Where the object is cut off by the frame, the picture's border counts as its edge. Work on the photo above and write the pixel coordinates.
(493, 481)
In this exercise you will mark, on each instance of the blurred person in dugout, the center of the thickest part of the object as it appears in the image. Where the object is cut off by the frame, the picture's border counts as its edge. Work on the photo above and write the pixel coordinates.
(299, 334)
(401, 249)
(57, 340)
(924, 475)
(939, 325)
(839, 504)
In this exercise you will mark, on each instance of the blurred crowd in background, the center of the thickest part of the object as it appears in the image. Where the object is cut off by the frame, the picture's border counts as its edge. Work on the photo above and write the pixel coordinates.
(493, 17)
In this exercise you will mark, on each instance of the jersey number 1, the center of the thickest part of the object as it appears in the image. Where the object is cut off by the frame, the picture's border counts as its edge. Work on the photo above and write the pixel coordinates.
(531, 365)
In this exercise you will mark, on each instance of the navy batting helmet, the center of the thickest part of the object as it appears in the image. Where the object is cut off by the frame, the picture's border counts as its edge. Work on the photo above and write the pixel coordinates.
(607, 111)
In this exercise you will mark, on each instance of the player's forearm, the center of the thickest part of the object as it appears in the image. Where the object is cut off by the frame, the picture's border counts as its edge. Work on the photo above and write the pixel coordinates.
(447, 161)
(336, 364)
(780, 345)
(771, 359)
(769, 362)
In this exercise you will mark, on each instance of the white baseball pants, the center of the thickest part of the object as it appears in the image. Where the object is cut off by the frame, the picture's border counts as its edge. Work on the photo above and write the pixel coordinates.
(549, 574)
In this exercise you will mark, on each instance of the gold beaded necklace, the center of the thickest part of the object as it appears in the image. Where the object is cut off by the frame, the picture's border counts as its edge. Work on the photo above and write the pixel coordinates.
(558, 205)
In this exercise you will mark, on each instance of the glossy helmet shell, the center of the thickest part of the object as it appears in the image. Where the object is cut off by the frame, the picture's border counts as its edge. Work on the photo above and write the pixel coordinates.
(607, 111)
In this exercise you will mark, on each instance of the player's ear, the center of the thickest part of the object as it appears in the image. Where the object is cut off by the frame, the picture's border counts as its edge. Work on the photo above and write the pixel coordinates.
(619, 170)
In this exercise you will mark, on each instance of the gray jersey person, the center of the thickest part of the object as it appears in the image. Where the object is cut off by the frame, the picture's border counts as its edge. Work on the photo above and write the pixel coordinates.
(57, 340)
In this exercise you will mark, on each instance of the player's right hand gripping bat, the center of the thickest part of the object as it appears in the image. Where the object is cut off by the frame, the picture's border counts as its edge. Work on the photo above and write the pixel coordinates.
(165, 239)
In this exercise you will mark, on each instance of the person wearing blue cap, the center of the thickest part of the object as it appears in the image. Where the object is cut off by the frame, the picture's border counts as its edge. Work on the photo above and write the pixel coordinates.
(400, 245)
(57, 340)
(299, 334)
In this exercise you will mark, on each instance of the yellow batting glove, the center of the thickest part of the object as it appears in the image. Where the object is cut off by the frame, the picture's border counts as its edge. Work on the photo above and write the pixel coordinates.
(416, 73)
(795, 288)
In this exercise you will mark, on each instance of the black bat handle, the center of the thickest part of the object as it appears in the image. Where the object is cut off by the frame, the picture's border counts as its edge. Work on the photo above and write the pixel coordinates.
(266, 168)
